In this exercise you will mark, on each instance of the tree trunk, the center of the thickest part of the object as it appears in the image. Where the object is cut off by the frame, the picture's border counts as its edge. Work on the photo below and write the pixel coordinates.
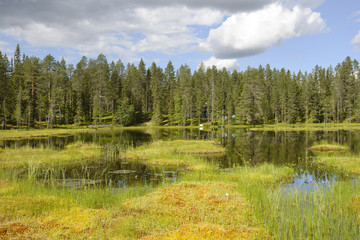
(4, 112)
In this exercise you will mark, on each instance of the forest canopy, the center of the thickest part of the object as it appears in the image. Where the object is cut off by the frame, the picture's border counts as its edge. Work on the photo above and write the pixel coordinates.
(46, 92)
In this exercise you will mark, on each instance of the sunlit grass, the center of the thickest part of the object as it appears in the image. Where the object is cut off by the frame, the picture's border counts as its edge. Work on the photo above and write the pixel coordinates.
(239, 203)
(337, 157)
(345, 162)
(306, 127)
(208, 205)
(178, 153)
(191, 211)
(27, 156)
(39, 133)
(326, 147)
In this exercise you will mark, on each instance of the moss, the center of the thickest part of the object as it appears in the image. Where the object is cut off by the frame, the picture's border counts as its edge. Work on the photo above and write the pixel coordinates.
(192, 211)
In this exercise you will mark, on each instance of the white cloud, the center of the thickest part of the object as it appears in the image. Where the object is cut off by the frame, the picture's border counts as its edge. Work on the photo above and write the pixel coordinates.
(129, 28)
(303, 3)
(229, 64)
(356, 40)
(164, 29)
(247, 34)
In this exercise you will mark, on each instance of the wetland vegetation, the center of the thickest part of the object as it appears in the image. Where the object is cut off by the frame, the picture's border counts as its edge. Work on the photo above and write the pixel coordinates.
(158, 183)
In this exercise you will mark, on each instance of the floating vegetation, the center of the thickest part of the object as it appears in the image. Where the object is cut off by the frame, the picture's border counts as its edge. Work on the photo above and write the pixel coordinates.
(176, 153)
(307, 127)
(27, 156)
(36, 133)
(337, 157)
(325, 147)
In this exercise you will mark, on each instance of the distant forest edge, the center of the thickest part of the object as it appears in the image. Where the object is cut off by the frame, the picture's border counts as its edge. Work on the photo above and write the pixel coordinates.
(45, 92)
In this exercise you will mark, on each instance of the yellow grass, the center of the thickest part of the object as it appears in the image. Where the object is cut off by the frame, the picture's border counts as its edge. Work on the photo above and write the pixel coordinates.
(191, 211)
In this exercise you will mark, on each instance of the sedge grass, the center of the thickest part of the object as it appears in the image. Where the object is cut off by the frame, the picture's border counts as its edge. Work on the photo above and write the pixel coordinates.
(336, 156)
(187, 154)
(27, 156)
(307, 127)
(39, 133)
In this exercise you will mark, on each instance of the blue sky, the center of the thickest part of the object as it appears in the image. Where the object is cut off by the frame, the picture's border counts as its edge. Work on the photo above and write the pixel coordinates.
(294, 34)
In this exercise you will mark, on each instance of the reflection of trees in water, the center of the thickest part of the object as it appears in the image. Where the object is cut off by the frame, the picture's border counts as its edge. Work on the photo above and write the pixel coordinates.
(243, 146)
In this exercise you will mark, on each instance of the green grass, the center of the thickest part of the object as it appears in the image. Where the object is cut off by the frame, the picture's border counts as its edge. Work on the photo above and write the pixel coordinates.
(337, 157)
(306, 127)
(240, 203)
(27, 156)
(209, 207)
(33, 210)
(179, 153)
(38, 133)
(341, 161)
(324, 213)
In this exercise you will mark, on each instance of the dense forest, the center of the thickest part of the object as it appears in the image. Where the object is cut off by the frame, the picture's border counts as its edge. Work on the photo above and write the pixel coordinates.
(46, 93)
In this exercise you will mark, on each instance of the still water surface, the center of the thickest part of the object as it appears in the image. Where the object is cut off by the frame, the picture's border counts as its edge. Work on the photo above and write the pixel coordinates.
(243, 147)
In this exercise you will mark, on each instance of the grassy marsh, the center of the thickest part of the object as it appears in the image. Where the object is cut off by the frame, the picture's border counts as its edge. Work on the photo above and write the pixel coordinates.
(27, 156)
(337, 157)
(179, 153)
(196, 207)
(210, 203)
(326, 147)
(306, 127)
(38, 133)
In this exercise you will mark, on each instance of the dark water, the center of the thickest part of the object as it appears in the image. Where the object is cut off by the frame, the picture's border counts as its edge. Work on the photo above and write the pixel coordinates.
(243, 147)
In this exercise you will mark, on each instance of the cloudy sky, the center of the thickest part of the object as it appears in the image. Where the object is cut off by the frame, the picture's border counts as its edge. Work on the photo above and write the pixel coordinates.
(294, 34)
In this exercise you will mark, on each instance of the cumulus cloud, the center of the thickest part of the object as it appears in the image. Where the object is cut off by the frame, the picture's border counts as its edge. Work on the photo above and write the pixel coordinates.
(229, 64)
(129, 28)
(356, 41)
(303, 3)
(247, 34)
(91, 27)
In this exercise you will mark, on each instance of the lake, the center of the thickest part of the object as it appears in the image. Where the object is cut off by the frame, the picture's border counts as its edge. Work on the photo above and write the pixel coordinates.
(244, 147)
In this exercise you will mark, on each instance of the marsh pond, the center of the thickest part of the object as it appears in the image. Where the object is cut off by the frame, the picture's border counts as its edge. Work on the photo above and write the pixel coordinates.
(291, 190)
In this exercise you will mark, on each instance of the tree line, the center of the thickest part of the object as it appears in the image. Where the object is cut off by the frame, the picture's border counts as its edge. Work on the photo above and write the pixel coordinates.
(46, 92)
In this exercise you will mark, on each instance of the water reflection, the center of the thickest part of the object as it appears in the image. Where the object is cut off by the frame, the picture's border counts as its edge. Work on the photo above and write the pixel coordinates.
(243, 147)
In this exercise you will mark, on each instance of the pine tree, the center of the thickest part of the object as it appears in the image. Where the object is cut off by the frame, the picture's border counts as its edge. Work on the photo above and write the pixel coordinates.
(169, 92)
(157, 80)
(4, 88)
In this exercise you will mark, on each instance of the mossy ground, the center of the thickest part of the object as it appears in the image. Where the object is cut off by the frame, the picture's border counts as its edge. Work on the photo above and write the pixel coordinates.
(207, 204)
(195, 209)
